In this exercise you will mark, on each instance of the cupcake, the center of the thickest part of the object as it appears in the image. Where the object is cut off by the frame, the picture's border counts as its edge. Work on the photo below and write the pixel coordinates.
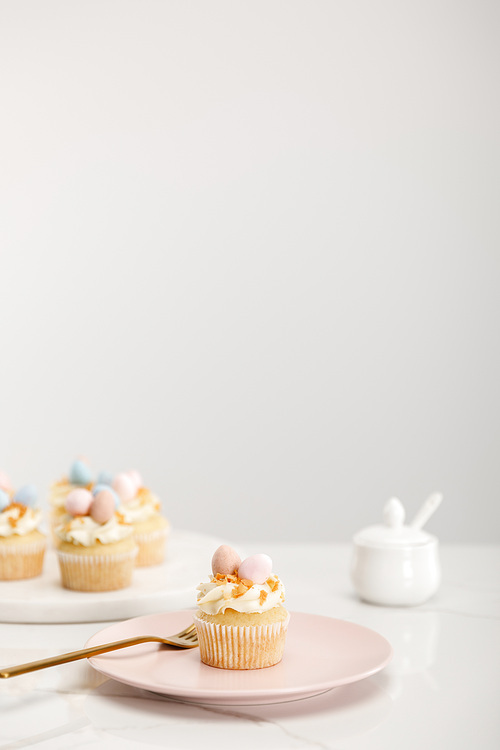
(22, 544)
(79, 475)
(141, 508)
(96, 549)
(241, 621)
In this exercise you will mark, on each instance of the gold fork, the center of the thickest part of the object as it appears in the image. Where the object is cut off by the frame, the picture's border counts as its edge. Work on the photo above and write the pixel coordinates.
(187, 638)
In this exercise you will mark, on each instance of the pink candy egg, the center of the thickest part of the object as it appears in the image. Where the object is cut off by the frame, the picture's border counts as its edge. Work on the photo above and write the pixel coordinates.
(256, 568)
(225, 560)
(136, 478)
(125, 487)
(78, 502)
(102, 508)
(5, 483)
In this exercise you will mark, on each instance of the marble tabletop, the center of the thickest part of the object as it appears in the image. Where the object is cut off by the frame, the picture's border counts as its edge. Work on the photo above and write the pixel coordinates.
(441, 689)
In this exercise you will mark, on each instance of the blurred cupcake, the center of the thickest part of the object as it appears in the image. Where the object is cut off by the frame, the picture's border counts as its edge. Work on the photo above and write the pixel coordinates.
(79, 475)
(141, 508)
(241, 621)
(96, 549)
(22, 544)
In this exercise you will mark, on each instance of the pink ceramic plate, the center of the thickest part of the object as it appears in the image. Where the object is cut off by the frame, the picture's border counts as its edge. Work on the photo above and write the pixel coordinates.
(321, 653)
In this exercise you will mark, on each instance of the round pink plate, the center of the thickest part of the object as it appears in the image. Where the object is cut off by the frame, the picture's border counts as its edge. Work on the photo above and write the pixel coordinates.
(321, 653)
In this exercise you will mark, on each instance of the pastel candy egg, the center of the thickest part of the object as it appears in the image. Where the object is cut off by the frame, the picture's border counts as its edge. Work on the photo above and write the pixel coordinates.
(256, 568)
(225, 560)
(102, 507)
(135, 477)
(4, 500)
(125, 486)
(105, 477)
(105, 487)
(80, 473)
(78, 502)
(5, 482)
(26, 495)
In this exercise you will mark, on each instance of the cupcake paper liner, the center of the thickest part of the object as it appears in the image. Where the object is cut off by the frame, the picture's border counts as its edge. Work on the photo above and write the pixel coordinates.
(241, 647)
(151, 547)
(18, 562)
(96, 572)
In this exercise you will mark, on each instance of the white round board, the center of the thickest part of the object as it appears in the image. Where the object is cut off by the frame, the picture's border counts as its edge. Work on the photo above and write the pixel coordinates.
(167, 587)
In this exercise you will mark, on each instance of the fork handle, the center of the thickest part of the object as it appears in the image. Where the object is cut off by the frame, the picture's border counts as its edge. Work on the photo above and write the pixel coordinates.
(83, 653)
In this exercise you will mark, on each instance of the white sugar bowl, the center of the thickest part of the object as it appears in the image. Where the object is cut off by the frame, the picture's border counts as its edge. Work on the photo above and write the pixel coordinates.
(394, 564)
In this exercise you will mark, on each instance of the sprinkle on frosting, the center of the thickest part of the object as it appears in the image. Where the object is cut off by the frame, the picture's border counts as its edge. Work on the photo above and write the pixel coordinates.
(19, 519)
(247, 586)
(16, 517)
(229, 591)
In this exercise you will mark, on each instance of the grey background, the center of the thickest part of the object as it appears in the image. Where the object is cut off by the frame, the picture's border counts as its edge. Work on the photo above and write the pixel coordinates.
(251, 249)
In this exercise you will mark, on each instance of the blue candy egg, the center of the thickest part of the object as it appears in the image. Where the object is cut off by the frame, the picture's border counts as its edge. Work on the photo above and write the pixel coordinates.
(99, 487)
(105, 477)
(4, 500)
(27, 495)
(80, 473)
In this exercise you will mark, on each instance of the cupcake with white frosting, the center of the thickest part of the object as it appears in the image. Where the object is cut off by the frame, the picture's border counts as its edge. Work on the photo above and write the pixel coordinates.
(140, 507)
(22, 544)
(96, 549)
(241, 621)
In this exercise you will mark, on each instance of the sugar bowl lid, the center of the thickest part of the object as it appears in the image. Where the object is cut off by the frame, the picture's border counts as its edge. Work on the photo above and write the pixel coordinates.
(393, 532)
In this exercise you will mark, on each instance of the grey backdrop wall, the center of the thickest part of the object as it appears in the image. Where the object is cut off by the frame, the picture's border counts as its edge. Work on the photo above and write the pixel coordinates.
(251, 249)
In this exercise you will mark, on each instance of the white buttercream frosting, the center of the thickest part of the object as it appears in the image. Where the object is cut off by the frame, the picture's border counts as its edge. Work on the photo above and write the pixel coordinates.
(144, 506)
(215, 597)
(19, 519)
(87, 532)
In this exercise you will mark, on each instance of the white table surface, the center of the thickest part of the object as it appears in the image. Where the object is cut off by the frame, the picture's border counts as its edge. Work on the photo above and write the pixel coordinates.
(440, 690)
